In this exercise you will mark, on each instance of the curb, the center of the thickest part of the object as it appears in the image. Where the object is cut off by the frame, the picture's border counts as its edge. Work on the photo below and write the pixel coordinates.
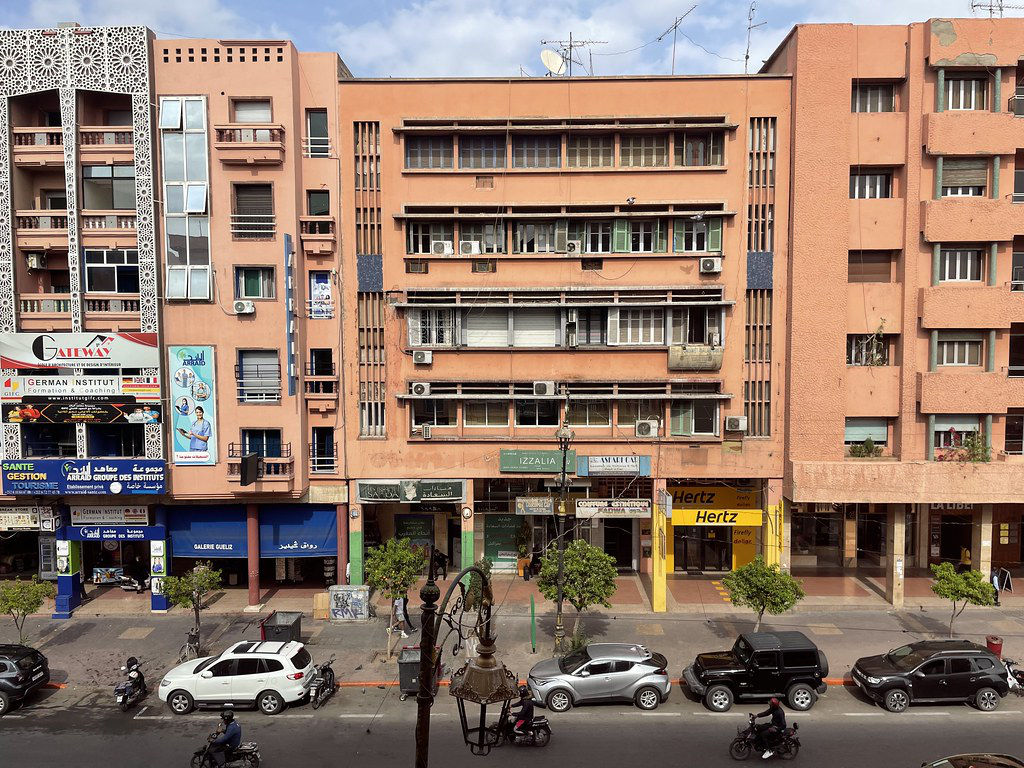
(55, 686)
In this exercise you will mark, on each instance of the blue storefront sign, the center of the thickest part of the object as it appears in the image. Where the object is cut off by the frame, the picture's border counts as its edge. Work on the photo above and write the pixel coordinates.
(32, 477)
(207, 531)
(298, 530)
(112, 533)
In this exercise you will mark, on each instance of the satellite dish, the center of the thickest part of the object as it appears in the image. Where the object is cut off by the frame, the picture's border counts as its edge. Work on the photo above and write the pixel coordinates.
(554, 62)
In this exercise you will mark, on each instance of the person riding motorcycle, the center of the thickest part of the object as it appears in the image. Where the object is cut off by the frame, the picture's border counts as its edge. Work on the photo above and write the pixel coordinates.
(224, 745)
(524, 721)
(769, 733)
(133, 671)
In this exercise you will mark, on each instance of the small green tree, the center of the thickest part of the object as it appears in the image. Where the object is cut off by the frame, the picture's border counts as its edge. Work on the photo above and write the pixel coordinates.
(189, 591)
(391, 569)
(763, 587)
(475, 592)
(967, 588)
(589, 577)
(19, 599)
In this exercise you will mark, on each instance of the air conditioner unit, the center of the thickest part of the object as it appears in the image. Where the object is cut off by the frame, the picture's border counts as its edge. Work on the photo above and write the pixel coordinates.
(244, 307)
(442, 248)
(571, 335)
(574, 247)
(419, 388)
(709, 265)
(543, 388)
(35, 261)
(425, 431)
(422, 357)
(647, 428)
(469, 247)
(714, 339)
(735, 423)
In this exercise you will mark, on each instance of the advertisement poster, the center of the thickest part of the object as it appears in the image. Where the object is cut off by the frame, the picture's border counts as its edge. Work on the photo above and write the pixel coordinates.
(126, 389)
(193, 414)
(80, 412)
(107, 515)
(321, 305)
(79, 350)
(54, 477)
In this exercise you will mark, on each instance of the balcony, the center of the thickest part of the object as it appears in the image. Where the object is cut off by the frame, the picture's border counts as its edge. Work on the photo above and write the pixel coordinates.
(695, 357)
(249, 144)
(971, 132)
(112, 312)
(878, 138)
(321, 461)
(38, 147)
(876, 224)
(320, 385)
(1015, 105)
(969, 220)
(317, 235)
(109, 229)
(971, 391)
(253, 226)
(106, 143)
(41, 230)
(44, 311)
(271, 468)
(873, 390)
(988, 306)
(870, 306)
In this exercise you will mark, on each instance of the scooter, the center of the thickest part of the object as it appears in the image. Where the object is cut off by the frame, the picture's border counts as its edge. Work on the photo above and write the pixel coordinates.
(538, 736)
(246, 756)
(131, 584)
(1014, 677)
(747, 742)
(322, 687)
(133, 689)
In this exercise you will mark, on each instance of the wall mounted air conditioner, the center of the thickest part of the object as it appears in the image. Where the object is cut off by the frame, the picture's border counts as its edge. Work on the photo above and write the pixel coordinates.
(420, 388)
(735, 423)
(422, 357)
(710, 265)
(574, 247)
(647, 428)
(714, 339)
(35, 261)
(469, 247)
(425, 431)
(544, 388)
(243, 307)
(442, 248)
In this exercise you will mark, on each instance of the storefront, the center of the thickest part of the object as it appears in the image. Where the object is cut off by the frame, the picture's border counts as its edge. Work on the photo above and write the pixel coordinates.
(1007, 543)
(714, 527)
(854, 535)
(950, 531)
(27, 542)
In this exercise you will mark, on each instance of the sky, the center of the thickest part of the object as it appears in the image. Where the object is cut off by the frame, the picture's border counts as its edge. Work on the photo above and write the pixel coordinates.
(418, 38)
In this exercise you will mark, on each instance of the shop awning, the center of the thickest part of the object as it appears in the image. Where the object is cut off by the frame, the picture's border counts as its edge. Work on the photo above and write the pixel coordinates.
(298, 530)
(207, 531)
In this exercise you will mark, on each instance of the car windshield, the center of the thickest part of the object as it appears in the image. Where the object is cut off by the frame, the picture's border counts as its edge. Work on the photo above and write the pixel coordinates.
(26, 663)
(742, 649)
(570, 663)
(204, 664)
(906, 658)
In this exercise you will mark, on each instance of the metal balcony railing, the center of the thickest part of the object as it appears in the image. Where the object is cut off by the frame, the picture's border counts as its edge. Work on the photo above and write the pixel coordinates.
(323, 459)
(258, 383)
(1015, 105)
(316, 146)
(34, 449)
(253, 226)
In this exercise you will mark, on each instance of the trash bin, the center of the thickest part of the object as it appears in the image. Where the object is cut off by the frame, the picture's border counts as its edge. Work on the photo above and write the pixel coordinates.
(995, 644)
(282, 626)
(409, 672)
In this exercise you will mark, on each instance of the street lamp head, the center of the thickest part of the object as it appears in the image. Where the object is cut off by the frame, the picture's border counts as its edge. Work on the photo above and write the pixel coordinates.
(564, 435)
(483, 682)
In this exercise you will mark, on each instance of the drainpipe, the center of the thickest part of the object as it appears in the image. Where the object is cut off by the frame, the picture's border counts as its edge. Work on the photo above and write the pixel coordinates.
(940, 90)
(933, 349)
(993, 257)
(990, 365)
(995, 177)
(997, 91)
(938, 177)
(930, 438)
(936, 263)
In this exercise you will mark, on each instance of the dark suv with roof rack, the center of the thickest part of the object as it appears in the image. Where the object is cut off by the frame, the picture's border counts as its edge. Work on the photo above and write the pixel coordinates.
(23, 670)
(758, 666)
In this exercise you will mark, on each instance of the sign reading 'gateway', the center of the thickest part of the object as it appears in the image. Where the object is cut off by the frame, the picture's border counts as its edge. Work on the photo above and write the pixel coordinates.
(79, 350)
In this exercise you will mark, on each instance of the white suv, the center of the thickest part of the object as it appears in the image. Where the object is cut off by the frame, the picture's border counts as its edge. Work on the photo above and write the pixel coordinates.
(267, 675)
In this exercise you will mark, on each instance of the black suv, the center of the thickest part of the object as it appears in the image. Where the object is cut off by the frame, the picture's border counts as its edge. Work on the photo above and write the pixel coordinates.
(933, 670)
(22, 671)
(760, 665)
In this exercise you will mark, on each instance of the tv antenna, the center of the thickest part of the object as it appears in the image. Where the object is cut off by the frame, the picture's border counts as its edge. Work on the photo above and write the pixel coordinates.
(567, 47)
(553, 62)
(673, 29)
(994, 7)
(751, 26)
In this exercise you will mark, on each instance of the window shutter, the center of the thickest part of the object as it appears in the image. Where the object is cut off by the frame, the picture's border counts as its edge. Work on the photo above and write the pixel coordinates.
(415, 320)
(620, 236)
(860, 429)
(964, 171)
(486, 328)
(660, 236)
(561, 235)
(613, 327)
(535, 327)
(252, 111)
(715, 234)
(254, 199)
(945, 423)
(682, 418)
(677, 235)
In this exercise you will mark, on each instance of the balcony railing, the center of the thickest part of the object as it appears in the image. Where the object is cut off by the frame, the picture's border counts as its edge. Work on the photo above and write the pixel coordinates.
(254, 134)
(127, 303)
(321, 369)
(108, 220)
(36, 450)
(1016, 104)
(316, 225)
(314, 146)
(323, 460)
(258, 383)
(41, 219)
(106, 135)
(38, 137)
(324, 387)
(280, 467)
(44, 303)
(253, 226)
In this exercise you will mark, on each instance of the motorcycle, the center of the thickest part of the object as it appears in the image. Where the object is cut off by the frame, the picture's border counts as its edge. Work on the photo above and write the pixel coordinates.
(131, 584)
(246, 756)
(1014, 677)
(747, 742)
(538, 736)
(322, 687)
(133, 689)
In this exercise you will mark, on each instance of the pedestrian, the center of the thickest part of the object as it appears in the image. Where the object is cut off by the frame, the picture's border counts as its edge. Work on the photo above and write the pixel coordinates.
(438, 564)
(996, 583)
(965, 560)
(402, 620)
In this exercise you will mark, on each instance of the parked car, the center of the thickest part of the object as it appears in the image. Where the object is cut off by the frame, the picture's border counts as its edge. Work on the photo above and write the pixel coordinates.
(269, 675)
(985, 760)
(602, 672)
(23, 670)
(933, 671)
(758, 666)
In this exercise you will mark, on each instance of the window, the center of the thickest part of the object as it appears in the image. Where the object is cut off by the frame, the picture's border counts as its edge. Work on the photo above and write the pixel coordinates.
(646, 236)
(981, 663)
(108, 187)
(417, 266)
(222, 668)
(438, 413)
(318, 202)
(320, 298)
(589, 413)
(254, 282)
(125, 440)
(960, 666)
(1016, 356)
(252, 111)
(485, 328)
(485, 413)
(597, 237)
(958, 349)
(867, 349)
(536, 151)
(766, 660)
(535, 327)
(690, 418)
(535, 237)
(792, 659)
(112, 271)
(263, 442)
(697, 325)
(870, 267)
(485, 265)
(54, 199)
(631, 411)
(601, 667)
(697, 235)
(170, 114)
(644, 151)
(428, 152)
(56, 440)
(1014, 444)
(490, 235)
(253, 214)
(432, 328)
(322, 450)
(963, 191)
(421, 235)
(696, 148)
(950, 430)
(934, 668)
(536, 413)
(594, 265)
(960, 264)
(870, 185)
(636, 326)
(624, 666)
(318, 142)
(482, 151)
(321, 361)
(965, 93)
(873, 97)
(249, 666)
(591, 326)
(964, 176)
(258, 375)
(591, 151)
(859, 429)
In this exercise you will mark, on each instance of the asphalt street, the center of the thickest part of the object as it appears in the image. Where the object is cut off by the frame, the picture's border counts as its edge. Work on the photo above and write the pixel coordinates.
(371, 727)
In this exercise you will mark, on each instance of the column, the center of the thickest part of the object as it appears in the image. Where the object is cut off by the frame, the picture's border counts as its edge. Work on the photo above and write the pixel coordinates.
(924, 541)
(777, 525)
(995, 177)
(997, 90)
(69, 578)
(850, 537)
(468, 519)
(895, 533)
(936, 262)
(159, 559)
(342, 534)
(929, 438)
(660, 542)
(252, 530)
(981, 540)
(993, 261)
(355, 537)
(940, 90)
(990, 358)
(933, 350)
(938, 178)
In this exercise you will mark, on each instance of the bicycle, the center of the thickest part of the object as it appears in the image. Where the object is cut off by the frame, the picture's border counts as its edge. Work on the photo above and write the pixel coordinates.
(190, 650)
(322, 687)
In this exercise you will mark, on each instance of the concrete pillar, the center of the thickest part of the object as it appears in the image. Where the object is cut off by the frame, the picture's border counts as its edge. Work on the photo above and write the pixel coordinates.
(995, 177)
(933, 349)
(342, 534)
(990, 357)
(997, 90)
(936, 262)
(981, 540)
(924, 521)
(895, 534)
(988, 431)
(993, 261)
(468, 524)
(940, 90)
(929, 438)
(660, 542)
(938, 178)
(850, 538)
(775, 537)
(355, 536)
(252, 530)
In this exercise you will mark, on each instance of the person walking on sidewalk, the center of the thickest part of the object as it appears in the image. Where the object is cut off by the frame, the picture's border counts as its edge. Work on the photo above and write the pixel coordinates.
(996, 583)
(402, 620)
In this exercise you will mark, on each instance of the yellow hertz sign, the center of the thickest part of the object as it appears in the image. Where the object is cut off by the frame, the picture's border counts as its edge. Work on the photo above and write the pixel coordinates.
(715, 505)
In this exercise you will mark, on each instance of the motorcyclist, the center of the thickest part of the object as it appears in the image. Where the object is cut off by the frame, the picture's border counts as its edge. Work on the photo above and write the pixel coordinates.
(524, 720)
(134, 674)
(227, 742)
(769, 733)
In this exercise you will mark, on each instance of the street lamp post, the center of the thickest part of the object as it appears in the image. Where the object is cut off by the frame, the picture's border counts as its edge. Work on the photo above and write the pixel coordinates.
(565, 436)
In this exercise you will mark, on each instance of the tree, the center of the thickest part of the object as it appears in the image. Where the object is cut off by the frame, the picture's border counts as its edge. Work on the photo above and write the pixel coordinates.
(589, 577)
(391, 569)
(475, 590)
(967, 588)
(190, 590)
(20, 598)
(764, 588)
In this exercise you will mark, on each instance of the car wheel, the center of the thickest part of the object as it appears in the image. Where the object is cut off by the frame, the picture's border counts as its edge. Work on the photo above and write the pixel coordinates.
(896, 700)
(270, 702)
(181, 702)
(559, 701)
(5, 703)
(647, 698)
(987, 700)
(801, 697)
(718, 698)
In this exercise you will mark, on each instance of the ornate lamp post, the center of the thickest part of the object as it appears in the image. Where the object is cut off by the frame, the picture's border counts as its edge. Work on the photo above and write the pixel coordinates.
(565, 436)
(481, 683)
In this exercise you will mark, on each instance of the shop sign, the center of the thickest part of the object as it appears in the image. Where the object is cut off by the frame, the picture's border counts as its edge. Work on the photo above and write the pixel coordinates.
(540, 462)
(79, 350)
(109, 515)
(952, 507)
(613, 508)
(21, 518)
(193, 390)
(741, 517)
(535, 505)
(630, 466)
(714, 497)
(127, 388)
(410, 491)
(82, 476)
(113, 533)
(79, 412)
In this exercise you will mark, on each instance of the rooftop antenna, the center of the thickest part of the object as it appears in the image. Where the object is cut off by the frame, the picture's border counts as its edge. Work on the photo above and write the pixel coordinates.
(673, 29)
(553, 62)
(751, 26)
(994, 7)
(566, 47)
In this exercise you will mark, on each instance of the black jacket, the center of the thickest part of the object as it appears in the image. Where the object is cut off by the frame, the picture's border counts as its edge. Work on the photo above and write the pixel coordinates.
(525, 707)
(777, 715)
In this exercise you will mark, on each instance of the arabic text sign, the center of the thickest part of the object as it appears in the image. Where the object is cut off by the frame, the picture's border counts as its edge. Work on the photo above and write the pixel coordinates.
(410, 491)
(613, 508)
(193, 382)
(23, 477)
(80, 412)
(79, 350)
(107, 515)
(137, 388)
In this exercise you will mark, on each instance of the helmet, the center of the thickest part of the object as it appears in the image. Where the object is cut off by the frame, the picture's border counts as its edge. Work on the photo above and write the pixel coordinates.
(227, 716)
(774, 702)
(131, 662)
(524, 691)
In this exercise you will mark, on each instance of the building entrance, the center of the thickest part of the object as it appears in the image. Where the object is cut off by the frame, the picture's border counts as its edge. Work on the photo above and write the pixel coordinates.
(702, 548)
(618, 542)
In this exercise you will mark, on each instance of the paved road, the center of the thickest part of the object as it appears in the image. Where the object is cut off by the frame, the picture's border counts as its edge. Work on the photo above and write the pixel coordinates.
(371, 727)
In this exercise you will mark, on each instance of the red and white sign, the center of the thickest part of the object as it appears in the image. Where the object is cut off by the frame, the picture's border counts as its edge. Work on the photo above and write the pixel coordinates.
(79, 350)
(141, 388)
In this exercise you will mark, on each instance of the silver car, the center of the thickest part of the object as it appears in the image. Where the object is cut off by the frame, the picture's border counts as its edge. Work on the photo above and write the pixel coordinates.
(602, 672)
